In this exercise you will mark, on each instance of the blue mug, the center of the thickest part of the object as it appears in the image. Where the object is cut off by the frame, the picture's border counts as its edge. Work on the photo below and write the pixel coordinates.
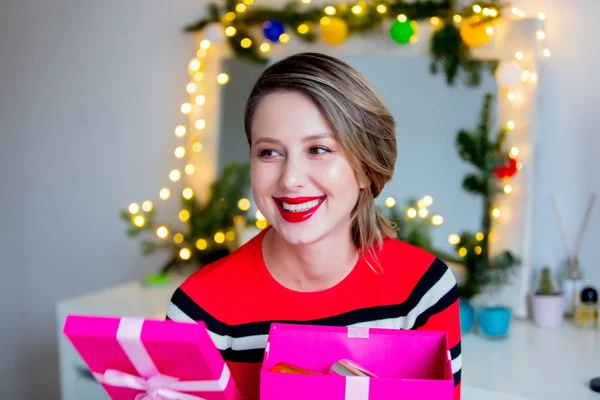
(494, 321)
(467, 316)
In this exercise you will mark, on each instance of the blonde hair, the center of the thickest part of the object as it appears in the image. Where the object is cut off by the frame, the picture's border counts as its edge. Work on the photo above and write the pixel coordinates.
(361, 122)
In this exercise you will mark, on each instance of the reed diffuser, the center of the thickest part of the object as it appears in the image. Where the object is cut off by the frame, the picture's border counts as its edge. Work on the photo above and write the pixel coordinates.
(572, 285)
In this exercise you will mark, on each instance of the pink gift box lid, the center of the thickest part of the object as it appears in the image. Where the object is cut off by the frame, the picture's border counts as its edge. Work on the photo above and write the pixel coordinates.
(409, 364)
(148, 348)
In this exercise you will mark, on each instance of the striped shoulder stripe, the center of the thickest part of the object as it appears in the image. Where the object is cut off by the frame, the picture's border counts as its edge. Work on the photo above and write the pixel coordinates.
(245, 342)
(456, 360)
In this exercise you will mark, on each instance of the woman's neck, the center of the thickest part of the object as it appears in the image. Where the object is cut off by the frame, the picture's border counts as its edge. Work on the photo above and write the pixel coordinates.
(311, 267)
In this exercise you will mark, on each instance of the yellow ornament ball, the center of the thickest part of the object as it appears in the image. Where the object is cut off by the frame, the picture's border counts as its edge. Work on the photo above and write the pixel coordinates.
(474, 32)
(334, 30)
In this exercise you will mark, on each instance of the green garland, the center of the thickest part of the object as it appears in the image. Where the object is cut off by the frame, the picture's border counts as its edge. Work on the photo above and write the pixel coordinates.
(204, 221)
(448, 51)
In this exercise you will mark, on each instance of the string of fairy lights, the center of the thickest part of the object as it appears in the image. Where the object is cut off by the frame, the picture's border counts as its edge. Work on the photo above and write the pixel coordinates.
(215, 34)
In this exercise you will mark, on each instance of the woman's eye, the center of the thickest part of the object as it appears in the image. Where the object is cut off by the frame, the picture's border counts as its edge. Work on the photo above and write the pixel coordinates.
(319, 150)
(268, 153)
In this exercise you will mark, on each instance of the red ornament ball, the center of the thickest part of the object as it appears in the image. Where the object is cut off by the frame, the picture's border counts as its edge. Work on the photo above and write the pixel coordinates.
(508, 169)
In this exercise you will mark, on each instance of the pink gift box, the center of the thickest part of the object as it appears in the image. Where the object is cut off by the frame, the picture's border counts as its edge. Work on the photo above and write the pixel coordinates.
(410, 365)
(136, 358)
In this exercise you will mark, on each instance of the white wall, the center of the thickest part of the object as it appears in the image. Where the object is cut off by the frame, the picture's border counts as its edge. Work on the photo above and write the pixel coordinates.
(569, 141)
(90, 94)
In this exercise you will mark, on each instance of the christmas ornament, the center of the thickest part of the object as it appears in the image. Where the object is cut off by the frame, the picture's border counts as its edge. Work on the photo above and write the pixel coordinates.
(474, 32)
(507, 170)
(509, 74)
(402, 31)
(215, 33)
(334, 30)
(273, 29)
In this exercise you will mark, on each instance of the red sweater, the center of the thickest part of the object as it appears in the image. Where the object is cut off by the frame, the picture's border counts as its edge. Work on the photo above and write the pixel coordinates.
(238, 299)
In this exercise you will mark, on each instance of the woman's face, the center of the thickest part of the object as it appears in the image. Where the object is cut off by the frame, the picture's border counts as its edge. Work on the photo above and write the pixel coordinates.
(301, 180)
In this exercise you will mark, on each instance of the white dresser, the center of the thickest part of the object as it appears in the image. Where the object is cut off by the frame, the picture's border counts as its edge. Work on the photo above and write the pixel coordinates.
(531, 364)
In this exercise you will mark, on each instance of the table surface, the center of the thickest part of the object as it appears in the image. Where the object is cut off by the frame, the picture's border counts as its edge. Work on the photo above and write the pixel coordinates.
(531, 363)
(534, 363)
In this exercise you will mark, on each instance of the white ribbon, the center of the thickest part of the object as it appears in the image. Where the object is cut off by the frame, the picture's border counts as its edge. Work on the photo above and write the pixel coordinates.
(357, 388)
(159, 387)
(155, 386)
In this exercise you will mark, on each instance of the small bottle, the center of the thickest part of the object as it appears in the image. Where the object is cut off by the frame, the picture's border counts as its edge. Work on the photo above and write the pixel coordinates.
(586, 313)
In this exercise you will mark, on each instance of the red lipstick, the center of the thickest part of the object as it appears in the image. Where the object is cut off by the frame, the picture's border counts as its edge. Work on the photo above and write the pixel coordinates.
(297, 215)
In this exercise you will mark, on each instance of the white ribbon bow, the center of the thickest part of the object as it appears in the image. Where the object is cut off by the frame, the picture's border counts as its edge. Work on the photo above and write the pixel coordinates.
(158, 387)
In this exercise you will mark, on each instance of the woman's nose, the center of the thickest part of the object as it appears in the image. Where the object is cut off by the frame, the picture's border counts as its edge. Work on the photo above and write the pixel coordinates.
(294, 173)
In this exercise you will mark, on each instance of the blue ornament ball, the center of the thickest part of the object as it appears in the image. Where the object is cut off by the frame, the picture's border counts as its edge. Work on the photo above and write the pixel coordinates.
(272, 29)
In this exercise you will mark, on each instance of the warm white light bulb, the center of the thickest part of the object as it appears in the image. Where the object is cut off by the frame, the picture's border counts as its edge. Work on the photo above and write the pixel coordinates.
(265, 47)
(219, 237)
(186, 108)
(244, 204)
(390, 202)
(205, 44)
(454, 239)
(147, 206)
(180, 152)
(197, 147)
(195, 64)
(162, 232)
(190, 169)
(541, 35)
(191, 87)
(200, 124)
(165, 193)
(185, 253)
(175, 175)
(437, 220)
(222, 78)
(139, 221)
(230, 31)
(134, 208)
(180, 131)
(187, 193)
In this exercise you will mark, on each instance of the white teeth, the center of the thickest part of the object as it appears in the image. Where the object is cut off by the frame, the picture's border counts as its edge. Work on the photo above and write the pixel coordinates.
(300, 207)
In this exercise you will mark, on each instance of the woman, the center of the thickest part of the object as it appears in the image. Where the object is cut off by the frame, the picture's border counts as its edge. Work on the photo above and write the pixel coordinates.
(322, 147)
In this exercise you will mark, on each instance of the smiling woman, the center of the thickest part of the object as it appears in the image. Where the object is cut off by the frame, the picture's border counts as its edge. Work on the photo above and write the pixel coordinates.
(322, 148)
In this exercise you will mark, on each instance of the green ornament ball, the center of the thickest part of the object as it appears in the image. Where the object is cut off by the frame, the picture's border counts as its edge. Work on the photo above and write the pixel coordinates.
(402, 31)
